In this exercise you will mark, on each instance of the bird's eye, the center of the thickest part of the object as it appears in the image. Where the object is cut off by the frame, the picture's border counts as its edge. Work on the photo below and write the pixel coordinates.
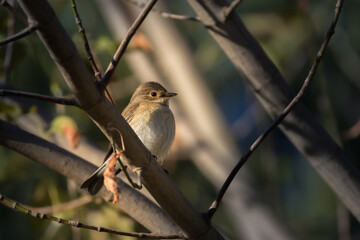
(153, 94)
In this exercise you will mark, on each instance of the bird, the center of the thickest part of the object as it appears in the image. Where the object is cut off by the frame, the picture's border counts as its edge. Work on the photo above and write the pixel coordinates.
(149, 115)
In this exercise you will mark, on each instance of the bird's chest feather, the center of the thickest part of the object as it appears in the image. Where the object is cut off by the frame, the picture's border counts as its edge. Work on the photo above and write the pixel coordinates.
(156, 129)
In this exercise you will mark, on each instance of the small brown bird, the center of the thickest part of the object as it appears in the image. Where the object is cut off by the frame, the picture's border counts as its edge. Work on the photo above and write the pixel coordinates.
(150, 117)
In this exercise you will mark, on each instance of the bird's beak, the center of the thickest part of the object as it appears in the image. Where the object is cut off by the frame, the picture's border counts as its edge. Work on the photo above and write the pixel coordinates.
(169, 95)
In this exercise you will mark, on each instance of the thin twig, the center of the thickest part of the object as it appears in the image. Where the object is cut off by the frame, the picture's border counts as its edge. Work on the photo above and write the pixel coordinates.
(13, 11)
(89, 54)
(58, 100)
(17, 206)
(23, 33)
(166, 14)
(228, 10)
(86, 42)
(215, 205)
(121, 49)
(63, 206)
(9, 48)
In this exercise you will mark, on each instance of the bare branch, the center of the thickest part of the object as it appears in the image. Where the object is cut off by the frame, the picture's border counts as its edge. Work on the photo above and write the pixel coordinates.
(166, 14)
(69, 165)
(214, 206)
(125, 42)
(63, 206)
(17, 206)
(86, 42)
(27, 31)
(228, 10)
(58, 100)
(13, 11)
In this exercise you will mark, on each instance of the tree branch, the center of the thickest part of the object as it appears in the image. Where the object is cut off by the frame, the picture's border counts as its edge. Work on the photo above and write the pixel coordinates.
(145, 212)
(23, 33)
(125, 42)
(58, 100)
(215, 205)
(266, 82)
(91, 98)
(13, 11)
(228, 10)
(17, 206)
(86, 42)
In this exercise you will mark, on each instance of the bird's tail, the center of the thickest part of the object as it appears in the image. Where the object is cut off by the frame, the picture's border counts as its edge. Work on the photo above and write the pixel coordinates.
(95, 181)
(93, 184)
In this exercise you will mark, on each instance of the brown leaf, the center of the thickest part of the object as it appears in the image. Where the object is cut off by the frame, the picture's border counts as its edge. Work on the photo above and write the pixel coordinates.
(110, 179)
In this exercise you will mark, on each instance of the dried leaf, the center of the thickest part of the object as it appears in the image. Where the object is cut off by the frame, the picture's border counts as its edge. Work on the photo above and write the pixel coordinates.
(110, 179)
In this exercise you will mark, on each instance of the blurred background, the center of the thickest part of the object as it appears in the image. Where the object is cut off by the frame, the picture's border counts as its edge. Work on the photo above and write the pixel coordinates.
(217, 117)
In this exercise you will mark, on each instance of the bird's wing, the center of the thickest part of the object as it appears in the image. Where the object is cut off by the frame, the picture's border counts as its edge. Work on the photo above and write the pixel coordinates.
(128, 114)
(129, 111)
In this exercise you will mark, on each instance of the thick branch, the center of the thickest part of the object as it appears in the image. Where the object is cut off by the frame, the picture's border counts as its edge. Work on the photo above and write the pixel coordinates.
(78, 169)
(274, 94)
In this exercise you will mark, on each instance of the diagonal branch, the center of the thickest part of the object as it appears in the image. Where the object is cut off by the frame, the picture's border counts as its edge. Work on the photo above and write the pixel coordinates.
(215, 205)
(228, 10)
(58, 100)
(23, 33)
(81, 30)
(13, 11)
(125, 42)
(268, 85)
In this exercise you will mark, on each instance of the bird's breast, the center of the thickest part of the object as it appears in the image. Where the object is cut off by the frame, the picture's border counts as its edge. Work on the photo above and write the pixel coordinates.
(155, 127)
